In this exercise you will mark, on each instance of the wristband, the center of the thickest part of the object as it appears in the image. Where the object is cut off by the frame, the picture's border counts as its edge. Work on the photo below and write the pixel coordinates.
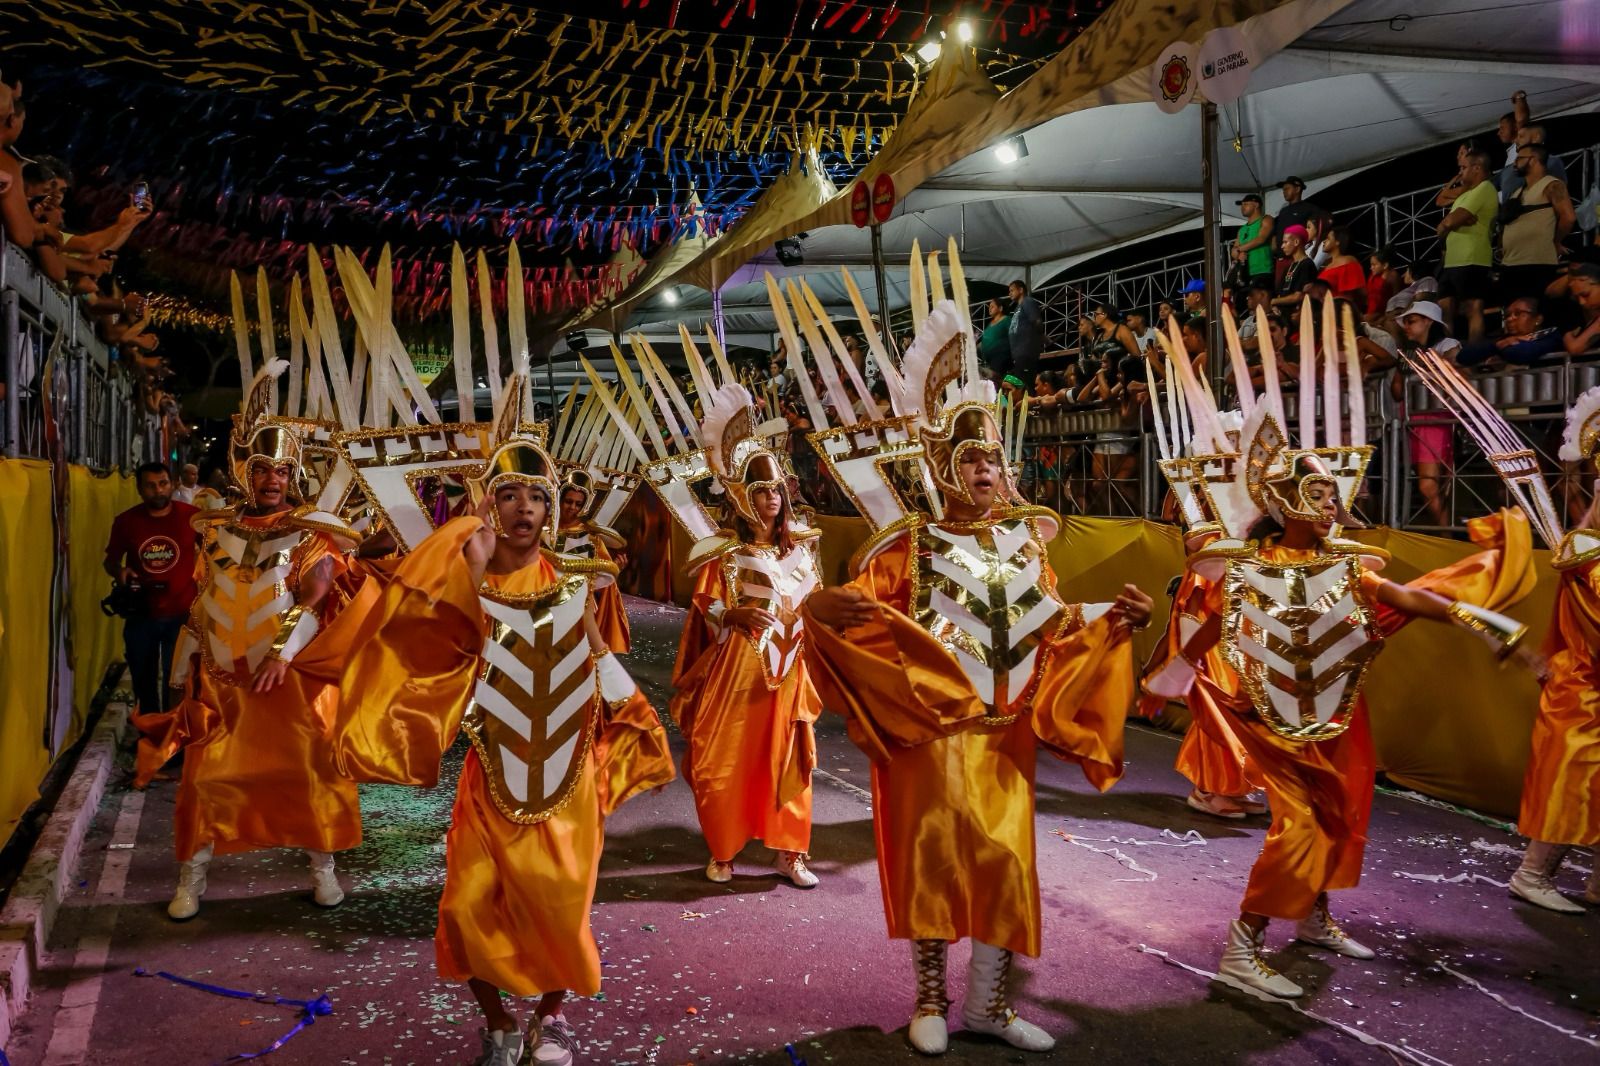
(1502, 633)
(299, 625)
(616, 686)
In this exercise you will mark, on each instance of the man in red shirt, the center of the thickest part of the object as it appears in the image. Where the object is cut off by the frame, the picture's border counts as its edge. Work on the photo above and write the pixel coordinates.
(152, 546)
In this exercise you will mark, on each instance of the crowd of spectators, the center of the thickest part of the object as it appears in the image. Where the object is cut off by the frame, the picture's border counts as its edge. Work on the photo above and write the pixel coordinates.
(78, 258)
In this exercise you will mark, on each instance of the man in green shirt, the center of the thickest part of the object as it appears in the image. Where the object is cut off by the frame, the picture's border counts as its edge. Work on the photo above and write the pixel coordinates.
(1468, 251)
(1253, 246)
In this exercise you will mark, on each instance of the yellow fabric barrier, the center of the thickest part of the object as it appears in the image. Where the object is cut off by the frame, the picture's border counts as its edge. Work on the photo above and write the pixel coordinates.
(1447, 720)
(27, 546)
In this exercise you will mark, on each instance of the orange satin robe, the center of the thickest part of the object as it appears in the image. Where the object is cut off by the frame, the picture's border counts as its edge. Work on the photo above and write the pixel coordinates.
(751, 749)
(1320, 792)
(1561, 790)
(952, 795)
(258, 769)
(1211, 755)
(516, 901)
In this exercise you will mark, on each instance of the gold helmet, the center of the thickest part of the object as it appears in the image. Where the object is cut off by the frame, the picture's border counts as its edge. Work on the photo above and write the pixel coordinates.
(261, 437)
(577, 479)
(967, 427)
(1286, 492)
(755, 468)
(740, 460)
(518, 459)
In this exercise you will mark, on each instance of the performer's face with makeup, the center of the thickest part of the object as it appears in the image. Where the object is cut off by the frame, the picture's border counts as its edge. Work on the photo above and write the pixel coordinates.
(980, 473)
(522, 510)
(571, 505)
(1324, 496)
(768, 504)
(268, 484)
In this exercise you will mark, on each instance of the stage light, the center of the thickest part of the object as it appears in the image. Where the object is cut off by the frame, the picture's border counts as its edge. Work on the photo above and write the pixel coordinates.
(671, 296)
(929, 50)
(790, 252)
(964, 32)
(577, 340)
(1010, 150)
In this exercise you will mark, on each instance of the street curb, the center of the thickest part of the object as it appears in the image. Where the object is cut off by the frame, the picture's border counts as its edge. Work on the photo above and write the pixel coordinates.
(30, 912)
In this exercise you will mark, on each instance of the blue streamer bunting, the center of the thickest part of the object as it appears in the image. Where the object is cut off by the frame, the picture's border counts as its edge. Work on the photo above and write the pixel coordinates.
(309, 1010)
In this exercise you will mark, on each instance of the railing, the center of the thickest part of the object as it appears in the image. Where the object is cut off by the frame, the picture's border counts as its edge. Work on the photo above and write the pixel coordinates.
(63, 393)
(1425, 473)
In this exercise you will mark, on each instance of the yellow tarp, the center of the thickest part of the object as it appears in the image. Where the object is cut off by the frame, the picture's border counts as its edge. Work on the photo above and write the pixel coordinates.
(1448, 721)
(27, 548)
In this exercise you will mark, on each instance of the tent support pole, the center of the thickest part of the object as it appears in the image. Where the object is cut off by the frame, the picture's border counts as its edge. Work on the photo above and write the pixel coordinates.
(716, 316)
(883, 288)
(1213, 252)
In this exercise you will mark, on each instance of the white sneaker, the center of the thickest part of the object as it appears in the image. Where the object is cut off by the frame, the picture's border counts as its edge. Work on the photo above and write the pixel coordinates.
(325, 890)
(191, 886)
(500, 1048)
(792, 864)
(1320, 929)
(720, 872)
(1243, 967)
(929, 1034)
(1539, 890)
(554, 1042)
(987, 1008)
(1215, 805)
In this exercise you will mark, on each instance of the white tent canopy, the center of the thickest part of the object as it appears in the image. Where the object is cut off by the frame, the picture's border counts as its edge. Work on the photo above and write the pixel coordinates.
(1375, 81)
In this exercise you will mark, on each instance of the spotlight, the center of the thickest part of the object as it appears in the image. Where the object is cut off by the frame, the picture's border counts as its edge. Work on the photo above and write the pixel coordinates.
(790, 252)
(929, 50)
(577, 340)
(1010, 150)
(671, 296)
(964, 32)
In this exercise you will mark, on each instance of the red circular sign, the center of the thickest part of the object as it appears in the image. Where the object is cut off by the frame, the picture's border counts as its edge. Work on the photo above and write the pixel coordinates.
(860, 205)
(882, 198)
(158, 554)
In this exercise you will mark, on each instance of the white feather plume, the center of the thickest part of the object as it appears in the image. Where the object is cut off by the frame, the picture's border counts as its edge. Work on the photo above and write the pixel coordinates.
(944, 322)
(1583, 408)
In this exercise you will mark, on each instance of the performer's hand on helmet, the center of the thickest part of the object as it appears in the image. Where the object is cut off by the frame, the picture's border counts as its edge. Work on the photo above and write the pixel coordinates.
(751, 618)
(269, 675)
(1134, 606)
(840, 607)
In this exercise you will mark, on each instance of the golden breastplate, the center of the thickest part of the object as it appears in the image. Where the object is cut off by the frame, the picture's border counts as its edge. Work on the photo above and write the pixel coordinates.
(983, 595)
(1300, 636)
(245, 596)
(758, 577)
(531, 718)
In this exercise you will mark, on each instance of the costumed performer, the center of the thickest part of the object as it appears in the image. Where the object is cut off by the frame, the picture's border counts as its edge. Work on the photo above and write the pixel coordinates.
(1300, 615)
(1561, 787)
(951, 652)
(743, 700)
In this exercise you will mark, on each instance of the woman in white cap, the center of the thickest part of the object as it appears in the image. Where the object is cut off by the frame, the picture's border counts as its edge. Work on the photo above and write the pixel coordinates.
(1430, 434)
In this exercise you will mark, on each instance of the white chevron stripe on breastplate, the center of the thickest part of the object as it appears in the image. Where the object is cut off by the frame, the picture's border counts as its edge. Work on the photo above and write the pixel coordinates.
(246, 594)
(760, 578)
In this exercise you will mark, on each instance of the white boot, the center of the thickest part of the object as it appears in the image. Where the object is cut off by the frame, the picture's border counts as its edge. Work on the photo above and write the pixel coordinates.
(325, 890)
(988, 1007)
(1534, 880)
(1320, 929)
(500, 1048)
(1243, 967)
(792, 864)
(191, 886)
(928, 1032)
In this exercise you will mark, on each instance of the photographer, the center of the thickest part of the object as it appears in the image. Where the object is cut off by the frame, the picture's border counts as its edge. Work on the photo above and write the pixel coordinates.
(151, 556)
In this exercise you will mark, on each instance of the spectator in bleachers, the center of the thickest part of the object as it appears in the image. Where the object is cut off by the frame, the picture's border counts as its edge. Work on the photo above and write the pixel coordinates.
(1298, 271)
(1457, 184)
(1253, 246)
(1526, 338)
(1195, 339)
(1383, 281)
(1194, 296)
(1511, 123)
(1509, 180)
(1431, 436)
(1343, 273)
(1164, 312)
(1026, 333)
(1144, 334)
(1465, 282)
(1535, 220)
(1317, 227)
(1294, 211)
(994, 344)
(1259, 294)
(15, 215)
(1584, 286)
(1107, 331)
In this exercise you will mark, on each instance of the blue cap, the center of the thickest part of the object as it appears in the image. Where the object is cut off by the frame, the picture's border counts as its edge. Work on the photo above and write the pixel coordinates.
(1197, 285)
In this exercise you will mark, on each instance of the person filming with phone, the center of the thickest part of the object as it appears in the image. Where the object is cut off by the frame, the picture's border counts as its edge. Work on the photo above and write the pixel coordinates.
(151, 556)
